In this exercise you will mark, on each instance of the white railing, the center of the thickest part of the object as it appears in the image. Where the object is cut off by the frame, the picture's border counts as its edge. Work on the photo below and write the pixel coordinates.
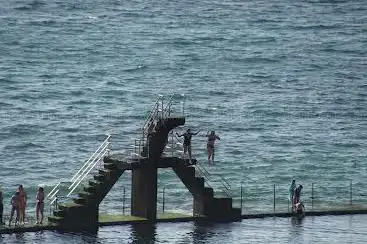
(161, 109)
(90, 164)
(83, 172)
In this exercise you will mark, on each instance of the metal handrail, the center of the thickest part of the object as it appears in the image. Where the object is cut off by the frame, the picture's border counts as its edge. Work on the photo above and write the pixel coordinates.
(87, 162)
(207, 176)
(53, 189)
(85, 175)
(97, 158)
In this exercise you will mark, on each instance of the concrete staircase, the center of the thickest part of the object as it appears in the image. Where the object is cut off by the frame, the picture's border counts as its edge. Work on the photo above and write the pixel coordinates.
(82, 213)
(205, 204)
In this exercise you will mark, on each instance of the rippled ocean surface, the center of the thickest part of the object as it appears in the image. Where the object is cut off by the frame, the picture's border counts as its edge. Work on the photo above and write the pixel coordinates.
(283, 83)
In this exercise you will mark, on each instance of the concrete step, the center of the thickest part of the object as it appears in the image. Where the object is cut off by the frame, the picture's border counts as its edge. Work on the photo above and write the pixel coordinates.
(90, 189)
(94, 183)
(70, 206)
(80, 200)
(55, 220)
(110, 166)
(237, 214)
(60, 213)
(200, 182)
(225, 204)
(208, 192)
(86, 195)
(99, 177)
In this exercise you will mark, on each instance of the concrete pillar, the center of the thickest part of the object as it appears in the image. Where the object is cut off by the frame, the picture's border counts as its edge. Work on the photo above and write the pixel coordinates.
(144, 192)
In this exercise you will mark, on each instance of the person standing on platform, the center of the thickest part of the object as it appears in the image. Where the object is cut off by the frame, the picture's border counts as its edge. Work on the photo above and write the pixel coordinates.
(22, 204)
(297, 194)
(40, 205)
(212, 137)
(291, 190)
(187, 141)
(14, 202)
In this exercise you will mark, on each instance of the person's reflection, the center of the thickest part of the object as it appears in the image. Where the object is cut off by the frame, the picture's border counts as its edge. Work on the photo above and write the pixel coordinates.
(143, 233)
(295, 234)
(20, 237)
(297, 222)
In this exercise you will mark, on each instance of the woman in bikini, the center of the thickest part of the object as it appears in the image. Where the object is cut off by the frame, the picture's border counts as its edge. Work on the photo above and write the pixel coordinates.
(40, 205)
(210, 144)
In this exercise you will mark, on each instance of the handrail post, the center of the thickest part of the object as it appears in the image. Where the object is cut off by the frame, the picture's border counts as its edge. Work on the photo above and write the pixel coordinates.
(274, 198)
(312, 196)
(172, 143)
(163, 199)
(351, 192)
(162, 108)
(123, 202)
(241, 195)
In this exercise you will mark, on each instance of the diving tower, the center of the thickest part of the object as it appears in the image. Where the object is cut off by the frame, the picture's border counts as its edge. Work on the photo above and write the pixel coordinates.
(144, 163)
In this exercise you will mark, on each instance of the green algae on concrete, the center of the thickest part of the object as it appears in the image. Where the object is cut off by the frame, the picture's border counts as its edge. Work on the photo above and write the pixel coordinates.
(109, 218)
(170, 215)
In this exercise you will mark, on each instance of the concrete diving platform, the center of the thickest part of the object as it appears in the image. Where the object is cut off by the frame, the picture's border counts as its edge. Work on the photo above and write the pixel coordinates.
(119, 219)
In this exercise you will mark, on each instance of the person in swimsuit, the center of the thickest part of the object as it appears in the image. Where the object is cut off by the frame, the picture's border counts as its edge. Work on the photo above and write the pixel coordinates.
(291, 190)
(210, 144)
(14, 202)
(22, 203)
(297, 194)
(40, 205)
(187, 141)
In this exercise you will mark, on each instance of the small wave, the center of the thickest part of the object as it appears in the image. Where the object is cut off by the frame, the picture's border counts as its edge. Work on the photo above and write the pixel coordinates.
(23, 146)
(318, 27)
(31, 6)
(43, 22)
(132, 69)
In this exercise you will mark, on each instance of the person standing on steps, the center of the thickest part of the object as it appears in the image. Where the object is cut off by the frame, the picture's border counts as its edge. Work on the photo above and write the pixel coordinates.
(40, 205)
(212, 137)
(187, 141)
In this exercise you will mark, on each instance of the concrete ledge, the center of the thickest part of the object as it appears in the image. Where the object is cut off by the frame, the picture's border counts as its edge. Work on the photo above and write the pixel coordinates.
(109, 220)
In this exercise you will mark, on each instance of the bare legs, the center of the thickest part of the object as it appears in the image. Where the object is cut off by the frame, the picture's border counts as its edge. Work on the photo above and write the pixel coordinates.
(16, 211)
(210, 153)
(187, 149)
(39, 211)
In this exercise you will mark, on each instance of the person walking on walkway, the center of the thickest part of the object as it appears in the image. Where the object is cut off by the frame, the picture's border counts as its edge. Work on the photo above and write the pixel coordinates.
(187, 141)
(212, 137)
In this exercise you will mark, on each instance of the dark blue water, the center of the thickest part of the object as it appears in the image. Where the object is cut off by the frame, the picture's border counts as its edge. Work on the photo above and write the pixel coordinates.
(282, 82)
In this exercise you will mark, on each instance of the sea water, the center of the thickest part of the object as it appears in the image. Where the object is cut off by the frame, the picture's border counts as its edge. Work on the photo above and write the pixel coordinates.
(283, 83)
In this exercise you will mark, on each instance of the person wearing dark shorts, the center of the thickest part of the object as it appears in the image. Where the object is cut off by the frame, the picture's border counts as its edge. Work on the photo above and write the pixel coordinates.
(187, 141)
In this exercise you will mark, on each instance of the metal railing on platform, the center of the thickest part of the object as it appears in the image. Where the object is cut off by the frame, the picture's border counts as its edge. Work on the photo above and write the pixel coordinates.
(93, 162)
(315, 196)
